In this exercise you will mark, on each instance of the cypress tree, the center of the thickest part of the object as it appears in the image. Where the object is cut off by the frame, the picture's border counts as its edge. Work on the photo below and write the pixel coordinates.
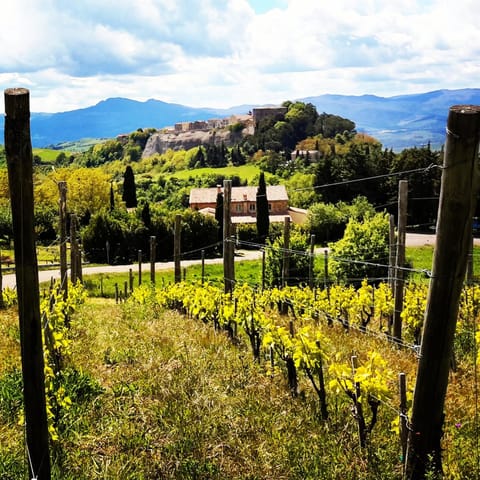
(263, 220)
(129, 195)
(112, 198)
(146, 217)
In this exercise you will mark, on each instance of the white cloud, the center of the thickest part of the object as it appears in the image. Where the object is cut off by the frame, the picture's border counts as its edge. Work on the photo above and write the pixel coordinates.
(222, 53)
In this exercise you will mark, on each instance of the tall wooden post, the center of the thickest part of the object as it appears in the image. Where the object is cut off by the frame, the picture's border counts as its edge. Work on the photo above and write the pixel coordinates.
(459, 188)
(286, 252)
(2, 304)
(153, 254)
(203, 266)
(263, 269)
(400, 259)
(311, 263)
(62, 210)
(176, 248)
(139, 267)
(18, 150)
(326, 280)
(73, 248)
(392, 253)
(228, 243)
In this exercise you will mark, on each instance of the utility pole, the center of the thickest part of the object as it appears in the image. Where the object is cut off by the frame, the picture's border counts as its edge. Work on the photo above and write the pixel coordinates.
(18, 148)
(459, 189)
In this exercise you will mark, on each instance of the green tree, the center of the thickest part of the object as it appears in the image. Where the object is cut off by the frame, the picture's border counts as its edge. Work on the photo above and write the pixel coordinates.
(363, 250)
(263, 219)
(129, 195)
(299, 262)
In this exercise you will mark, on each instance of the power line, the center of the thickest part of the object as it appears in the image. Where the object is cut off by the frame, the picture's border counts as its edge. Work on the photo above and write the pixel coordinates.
(375, 177)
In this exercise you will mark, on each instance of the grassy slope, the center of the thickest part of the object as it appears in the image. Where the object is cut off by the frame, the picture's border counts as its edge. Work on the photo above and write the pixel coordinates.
(245, 172)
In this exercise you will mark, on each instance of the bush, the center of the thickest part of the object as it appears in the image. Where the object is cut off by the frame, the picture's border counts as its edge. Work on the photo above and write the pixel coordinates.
(364, 241)
(299, 263)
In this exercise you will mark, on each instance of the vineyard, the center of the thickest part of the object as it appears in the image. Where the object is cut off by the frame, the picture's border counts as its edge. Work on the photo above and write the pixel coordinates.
(325, 355)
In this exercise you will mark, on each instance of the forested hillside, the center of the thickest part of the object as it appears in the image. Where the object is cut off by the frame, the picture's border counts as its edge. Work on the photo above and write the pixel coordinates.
(324, 163)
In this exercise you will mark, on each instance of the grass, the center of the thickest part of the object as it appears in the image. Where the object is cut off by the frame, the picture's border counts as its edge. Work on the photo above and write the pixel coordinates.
(158, 395)
(177, 400)
(245, 172)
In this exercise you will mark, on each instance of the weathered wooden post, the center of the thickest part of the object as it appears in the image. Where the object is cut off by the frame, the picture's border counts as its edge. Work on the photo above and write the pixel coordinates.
(402, 387)
(153, 247)
(62, 210)
(286, 252)
(177, 247)
(263, 269)
(18, 150)
(311, 261)
(73, 248)
(392, 253)
(2, 304)
(203, 266)
(400, 259)
(228, 243)
(459, 189)
(139, 267)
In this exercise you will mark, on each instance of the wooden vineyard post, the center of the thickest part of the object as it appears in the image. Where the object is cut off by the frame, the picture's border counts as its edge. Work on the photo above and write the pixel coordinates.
(358, 409)
(2, 304)
(139, 267)
(73, 249)
(130, 280)
(392, 253)
(400, 259)
(325, 273)
(203, 266)
(62, 210)
(18, 150)
(176, 248)
(459, 189)
(311, 261)
(291, 368)
(152, 258)
(286, 252)
(228, 244)
(263, 269)
(402, 386)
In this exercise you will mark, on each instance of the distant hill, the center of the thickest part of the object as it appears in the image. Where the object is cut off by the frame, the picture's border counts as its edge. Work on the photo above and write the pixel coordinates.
(402, 121)
(398, 122)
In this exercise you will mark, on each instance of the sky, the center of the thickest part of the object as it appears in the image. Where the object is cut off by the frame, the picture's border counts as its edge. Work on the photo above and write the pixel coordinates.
(220, 53)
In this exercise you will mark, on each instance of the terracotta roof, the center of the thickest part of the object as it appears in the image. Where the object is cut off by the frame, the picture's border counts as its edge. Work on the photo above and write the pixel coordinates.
(209, 195)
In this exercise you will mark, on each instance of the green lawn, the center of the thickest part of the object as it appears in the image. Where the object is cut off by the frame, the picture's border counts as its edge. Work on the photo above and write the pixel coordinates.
(245, 172)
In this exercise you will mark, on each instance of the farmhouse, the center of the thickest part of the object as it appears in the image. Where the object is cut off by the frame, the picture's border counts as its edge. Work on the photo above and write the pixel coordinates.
(243, 208)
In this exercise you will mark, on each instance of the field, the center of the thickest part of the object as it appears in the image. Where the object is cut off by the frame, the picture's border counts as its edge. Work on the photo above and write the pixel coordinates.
(157, 394)
(245, 172)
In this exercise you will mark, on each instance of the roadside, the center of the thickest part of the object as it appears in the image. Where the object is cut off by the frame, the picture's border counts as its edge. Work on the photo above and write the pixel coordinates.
(412, 240)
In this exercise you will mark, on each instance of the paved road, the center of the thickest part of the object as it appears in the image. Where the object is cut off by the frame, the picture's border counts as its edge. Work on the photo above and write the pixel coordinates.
(46, 275)
(412, 239)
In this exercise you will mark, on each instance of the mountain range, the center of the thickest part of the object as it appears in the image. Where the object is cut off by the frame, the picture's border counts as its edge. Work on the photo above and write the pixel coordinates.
(397, 122)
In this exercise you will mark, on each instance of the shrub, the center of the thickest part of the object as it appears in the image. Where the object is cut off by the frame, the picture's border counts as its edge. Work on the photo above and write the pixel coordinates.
(363, 250)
